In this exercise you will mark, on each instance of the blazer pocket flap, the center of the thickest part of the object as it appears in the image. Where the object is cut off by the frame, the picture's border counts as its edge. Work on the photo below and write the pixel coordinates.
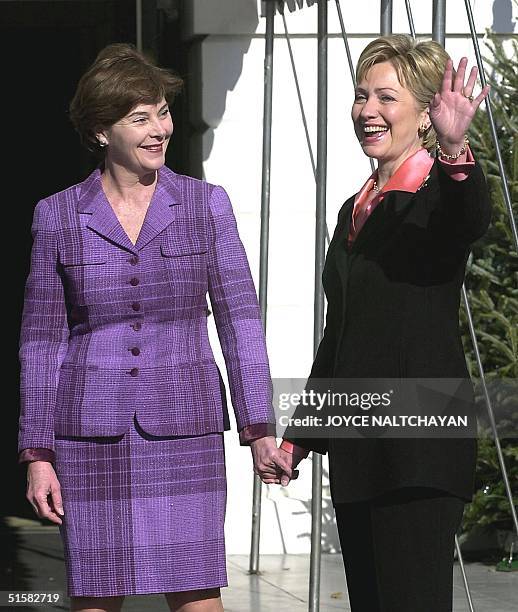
(176, 249)
(81, 258)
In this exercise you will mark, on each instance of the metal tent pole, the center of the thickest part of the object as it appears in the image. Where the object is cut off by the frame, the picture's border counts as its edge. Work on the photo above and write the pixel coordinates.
(439, 35)
(349, 57)
(301, 103)
(489, 110)
(386, 17)
(464, 577)
(318, 322)
(410, 18)
(138, 21)
(439, 21)
(263, 257)
(346, 42)
(299, 95)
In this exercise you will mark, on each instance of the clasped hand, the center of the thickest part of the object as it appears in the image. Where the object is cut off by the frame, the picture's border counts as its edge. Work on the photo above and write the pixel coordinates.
(272, 464)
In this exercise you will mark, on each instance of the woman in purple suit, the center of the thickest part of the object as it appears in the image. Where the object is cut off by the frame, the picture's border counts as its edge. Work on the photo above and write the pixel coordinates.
(123, 406)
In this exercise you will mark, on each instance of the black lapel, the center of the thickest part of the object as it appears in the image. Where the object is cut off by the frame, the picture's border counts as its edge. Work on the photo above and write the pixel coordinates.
(338, 250)
(384, 218)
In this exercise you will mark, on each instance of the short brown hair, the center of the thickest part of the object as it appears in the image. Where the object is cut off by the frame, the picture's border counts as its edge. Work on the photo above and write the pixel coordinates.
(419, 67)
(118, 80)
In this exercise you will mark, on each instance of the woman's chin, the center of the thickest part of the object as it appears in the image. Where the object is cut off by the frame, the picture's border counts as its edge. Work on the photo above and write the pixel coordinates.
(148, 167)
(371, 151)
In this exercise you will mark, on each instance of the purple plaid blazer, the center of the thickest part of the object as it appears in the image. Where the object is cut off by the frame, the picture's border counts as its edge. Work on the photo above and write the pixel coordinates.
(111, 330)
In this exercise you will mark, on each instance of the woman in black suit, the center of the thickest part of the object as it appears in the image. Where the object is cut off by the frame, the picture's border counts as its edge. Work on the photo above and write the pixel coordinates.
(393, 275)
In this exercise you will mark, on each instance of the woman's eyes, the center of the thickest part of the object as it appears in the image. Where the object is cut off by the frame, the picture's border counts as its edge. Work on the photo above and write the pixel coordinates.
(163, 114)
(383, 98)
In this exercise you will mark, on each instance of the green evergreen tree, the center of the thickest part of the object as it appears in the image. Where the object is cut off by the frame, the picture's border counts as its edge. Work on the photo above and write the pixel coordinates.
(492, 284)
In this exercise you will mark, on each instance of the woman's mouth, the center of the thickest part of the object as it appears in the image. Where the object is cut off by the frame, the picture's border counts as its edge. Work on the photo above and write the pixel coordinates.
(153, 148)
(373, 134)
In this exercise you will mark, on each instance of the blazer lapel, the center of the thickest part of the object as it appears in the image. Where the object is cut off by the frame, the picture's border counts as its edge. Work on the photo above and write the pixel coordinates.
(385, 217)
(396, 203)
(103, 220)
(162, 208)
(338, 249)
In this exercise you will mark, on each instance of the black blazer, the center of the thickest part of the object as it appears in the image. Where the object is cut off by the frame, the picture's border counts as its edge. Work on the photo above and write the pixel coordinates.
(393, 312)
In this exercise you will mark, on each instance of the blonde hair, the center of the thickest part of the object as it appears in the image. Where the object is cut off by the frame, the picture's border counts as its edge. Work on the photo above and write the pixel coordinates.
(418, 65)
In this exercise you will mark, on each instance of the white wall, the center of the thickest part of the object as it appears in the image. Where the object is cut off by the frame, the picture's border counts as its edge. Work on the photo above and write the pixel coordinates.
(231, 64)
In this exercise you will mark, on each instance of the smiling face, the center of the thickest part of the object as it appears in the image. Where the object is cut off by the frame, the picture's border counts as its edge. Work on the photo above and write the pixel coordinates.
(386, 117)
(138, 141)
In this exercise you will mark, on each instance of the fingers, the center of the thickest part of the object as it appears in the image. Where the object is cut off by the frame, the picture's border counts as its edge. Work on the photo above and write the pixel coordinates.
(273, 465)
(268, 477)
(282, 464)
(481, 96)
(277, 472)
(267, 459)
(56, 500)
(285, 479)
(454, 83)
(467, 90)
(272, 472)
(280, 473)
(458, 82)
(44, 491)
(282, 478)
(447, 77)
(268, 465)
(40, 503)
(435, 101)
(276, 481)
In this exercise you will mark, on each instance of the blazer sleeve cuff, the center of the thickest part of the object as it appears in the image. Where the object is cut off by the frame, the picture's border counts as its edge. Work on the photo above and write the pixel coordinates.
(459, 170)
(255, 431)
(293, 449)
(29, 455)
(317, 445)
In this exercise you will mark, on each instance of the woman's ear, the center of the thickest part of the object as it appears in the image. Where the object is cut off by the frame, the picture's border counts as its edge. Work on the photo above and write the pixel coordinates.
(424, 122)
(102, 139)
(425, 119)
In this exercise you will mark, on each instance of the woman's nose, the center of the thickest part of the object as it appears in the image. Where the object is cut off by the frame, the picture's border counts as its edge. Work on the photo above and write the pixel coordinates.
(158, 128)
(369, 108)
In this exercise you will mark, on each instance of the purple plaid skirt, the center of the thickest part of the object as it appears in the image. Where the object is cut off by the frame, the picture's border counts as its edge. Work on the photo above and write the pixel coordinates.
(143, 514)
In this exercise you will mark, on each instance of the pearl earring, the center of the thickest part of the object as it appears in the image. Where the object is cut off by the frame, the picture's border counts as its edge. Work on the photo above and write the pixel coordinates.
(103, 143)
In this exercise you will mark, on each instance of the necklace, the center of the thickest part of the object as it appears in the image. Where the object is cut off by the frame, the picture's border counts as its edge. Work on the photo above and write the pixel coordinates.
(375, 186)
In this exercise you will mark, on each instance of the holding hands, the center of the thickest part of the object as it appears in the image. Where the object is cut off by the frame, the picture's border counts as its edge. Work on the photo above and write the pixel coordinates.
(452, 109)
(274, 465)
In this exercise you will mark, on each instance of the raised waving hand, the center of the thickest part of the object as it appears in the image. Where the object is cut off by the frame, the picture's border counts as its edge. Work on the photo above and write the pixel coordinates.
(452, 109)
